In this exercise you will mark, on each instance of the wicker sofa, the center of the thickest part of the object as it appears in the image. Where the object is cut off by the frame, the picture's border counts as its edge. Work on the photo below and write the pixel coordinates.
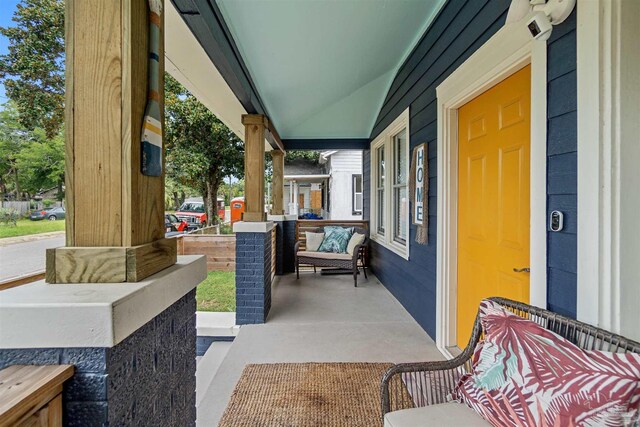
(327, 259)
(438, 379)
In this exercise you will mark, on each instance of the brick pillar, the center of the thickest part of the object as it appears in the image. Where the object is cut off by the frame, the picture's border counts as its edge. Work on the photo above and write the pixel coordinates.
(253, 272)
(288, 243)
(147, 379)
(279, 247)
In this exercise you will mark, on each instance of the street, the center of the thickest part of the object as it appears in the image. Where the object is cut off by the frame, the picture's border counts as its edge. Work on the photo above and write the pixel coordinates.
(28, 257)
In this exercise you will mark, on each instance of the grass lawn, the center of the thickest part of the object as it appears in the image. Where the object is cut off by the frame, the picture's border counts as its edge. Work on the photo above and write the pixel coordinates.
(217, 292)
(26, 226)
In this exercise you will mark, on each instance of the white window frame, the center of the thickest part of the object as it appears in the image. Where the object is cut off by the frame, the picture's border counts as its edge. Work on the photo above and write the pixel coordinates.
(385, 138)
(355, 193)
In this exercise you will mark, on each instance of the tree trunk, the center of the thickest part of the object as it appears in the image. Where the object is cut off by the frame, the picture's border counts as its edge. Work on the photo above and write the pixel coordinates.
(182, 197)
(18, 193)
(205, 199)
(60, 195)
(211, 204)
(176, 200)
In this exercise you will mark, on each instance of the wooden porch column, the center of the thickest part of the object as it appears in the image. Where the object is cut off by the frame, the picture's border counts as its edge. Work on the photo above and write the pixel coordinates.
(277, 194)
(115, 215)
(255, 128)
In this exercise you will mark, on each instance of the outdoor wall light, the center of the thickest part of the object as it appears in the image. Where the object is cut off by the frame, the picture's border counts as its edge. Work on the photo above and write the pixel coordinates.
(542, 15)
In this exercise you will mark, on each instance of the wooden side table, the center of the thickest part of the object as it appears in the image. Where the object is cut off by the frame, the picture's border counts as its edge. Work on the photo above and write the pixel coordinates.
(32, 395)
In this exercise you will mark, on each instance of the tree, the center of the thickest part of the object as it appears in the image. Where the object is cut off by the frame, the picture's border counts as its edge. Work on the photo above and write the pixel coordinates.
(12, 139)
(174, 193)
(200, 149)
(41, 161)
(33, 69)
(29, 160)
(311, 156)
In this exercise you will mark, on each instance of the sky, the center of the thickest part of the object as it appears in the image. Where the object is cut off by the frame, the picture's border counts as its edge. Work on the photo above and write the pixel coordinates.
(7, 7)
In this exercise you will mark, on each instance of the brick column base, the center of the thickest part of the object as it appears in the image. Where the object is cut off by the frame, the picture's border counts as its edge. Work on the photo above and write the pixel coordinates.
(288, 243)
(253, 277)
(147, 379)
(279, 248)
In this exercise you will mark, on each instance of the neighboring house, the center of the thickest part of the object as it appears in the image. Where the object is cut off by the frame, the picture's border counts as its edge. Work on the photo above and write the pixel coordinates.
(319, 188)
(51, 194)
(345, 183)
(306, 188)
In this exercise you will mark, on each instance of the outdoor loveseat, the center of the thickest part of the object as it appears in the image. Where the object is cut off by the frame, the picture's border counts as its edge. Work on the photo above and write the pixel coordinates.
(346, 261)
(415, 394)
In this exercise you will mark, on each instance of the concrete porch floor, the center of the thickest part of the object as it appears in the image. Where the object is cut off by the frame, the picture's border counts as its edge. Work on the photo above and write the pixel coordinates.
(316, 319)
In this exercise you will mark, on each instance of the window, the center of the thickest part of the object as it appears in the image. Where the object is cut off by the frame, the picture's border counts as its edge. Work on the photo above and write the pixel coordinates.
(357, 194)
(380, 191)
(400, 179)
(389, 187)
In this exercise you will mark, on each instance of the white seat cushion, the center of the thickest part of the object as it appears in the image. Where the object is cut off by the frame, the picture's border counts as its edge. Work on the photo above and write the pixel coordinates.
(324, 255)
(445, 414)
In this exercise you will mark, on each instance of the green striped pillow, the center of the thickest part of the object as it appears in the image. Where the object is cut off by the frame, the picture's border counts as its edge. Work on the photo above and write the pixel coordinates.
(336, 239)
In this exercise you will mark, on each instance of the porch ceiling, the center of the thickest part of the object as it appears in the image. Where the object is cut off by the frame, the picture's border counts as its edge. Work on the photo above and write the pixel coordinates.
(322, 68)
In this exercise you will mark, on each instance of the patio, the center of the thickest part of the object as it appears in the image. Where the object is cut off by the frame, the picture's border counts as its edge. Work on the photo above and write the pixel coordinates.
(544, 212)
(316, 319)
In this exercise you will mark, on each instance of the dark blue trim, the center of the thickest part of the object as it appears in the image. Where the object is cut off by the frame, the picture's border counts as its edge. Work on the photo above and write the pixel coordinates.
(154, 56)
(207, 24)
(326, 144)
(204, 342)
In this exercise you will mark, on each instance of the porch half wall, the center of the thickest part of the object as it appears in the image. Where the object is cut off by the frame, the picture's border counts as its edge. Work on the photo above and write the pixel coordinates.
(459, 30)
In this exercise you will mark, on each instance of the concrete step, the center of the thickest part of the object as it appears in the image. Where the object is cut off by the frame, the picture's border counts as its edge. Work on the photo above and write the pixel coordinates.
(213, 324)
(208, 366)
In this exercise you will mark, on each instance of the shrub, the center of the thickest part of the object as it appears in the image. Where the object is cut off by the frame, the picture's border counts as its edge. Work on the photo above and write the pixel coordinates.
(9, 216)
(226, 229)
(47, 203)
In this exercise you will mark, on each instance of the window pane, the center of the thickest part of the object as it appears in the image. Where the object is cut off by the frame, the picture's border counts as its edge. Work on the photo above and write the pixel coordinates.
(380, 212)
(357, 193)
(401, 164)
(381, 167)
(400, 207)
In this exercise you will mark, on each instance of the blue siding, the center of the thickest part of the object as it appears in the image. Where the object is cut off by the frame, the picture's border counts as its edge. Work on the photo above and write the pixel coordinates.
(562, 160)
(459, 30)
(461, 27)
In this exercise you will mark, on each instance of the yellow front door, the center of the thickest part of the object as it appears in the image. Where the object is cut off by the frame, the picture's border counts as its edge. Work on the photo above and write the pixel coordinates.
(493, 197)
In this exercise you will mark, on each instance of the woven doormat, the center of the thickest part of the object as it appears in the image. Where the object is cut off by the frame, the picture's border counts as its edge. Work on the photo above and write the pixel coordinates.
(307, 395)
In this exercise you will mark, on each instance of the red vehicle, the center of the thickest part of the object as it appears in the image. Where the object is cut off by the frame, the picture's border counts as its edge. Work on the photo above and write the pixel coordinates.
(172, 223)
(193, 212)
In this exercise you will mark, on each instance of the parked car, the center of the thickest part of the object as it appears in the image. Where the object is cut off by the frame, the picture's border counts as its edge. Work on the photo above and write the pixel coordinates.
(173, 223)
(193, 212)
(51, 214)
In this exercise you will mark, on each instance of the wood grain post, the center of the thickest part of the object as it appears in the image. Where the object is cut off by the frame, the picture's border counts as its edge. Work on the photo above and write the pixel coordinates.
(277, 183)
(115, 215)
(255, 128)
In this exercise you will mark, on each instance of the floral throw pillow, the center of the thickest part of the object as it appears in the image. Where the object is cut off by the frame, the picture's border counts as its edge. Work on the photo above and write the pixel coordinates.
(335, 240)
(526, 375)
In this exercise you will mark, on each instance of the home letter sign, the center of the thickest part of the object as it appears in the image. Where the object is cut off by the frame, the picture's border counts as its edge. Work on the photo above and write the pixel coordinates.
(418, 206)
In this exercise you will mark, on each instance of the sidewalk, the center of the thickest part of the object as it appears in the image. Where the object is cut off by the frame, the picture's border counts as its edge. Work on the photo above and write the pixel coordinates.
(6, 241)
(24, 257)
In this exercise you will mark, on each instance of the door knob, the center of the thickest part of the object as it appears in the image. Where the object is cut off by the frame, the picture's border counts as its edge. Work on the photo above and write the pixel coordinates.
(522, 270)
